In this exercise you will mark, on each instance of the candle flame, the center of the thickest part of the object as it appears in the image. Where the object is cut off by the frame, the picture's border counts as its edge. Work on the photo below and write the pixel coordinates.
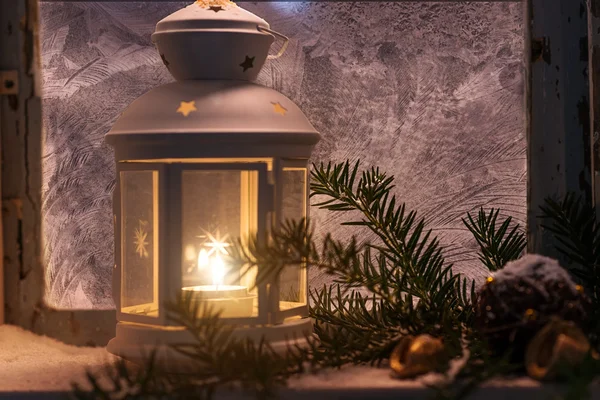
(218, 270)
(203, 259)
(210, 257)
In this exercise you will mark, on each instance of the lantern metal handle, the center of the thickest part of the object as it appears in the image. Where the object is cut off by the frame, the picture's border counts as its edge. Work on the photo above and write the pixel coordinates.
(280, 36)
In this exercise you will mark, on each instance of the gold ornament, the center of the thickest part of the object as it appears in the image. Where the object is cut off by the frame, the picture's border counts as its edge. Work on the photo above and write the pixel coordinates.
(558, 344)
(530, 314)
(415, 356)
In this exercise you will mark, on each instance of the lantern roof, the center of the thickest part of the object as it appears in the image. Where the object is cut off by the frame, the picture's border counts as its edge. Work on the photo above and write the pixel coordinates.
(214, 39)
(214, 108)
(206, 15)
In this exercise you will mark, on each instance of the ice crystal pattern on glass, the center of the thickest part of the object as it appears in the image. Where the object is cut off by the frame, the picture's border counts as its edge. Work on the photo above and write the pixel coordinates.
(431, 92)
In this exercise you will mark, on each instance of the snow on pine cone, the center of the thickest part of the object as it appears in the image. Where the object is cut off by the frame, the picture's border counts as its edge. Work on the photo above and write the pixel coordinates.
(517, 301)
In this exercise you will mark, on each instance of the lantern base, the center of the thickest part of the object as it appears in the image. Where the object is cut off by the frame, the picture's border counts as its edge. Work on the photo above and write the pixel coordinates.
(135, 342)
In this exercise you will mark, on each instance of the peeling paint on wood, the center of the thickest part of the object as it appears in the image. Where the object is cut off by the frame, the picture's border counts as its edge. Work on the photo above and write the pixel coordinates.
(594, 77)
(559, 148)
(540, 50)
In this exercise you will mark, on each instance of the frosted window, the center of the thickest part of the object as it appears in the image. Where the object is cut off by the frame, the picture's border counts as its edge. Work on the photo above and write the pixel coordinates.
(431, 92)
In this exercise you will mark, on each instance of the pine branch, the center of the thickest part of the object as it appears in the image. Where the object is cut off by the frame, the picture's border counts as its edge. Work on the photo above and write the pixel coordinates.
(574, 224)
(481, 366)
(405, 242)
(355, 327)
(214, 359)
(497, 245)
(221, 358)
(412, 289)
(122, 380)
(580, 378)
(293, 244)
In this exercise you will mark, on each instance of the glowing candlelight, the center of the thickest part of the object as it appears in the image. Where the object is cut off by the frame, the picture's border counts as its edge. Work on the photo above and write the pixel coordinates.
(232, 300)
(218, 270)
(203, 260)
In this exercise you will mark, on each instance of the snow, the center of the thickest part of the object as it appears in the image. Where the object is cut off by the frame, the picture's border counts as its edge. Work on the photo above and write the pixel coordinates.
(33, 363)
(39, 365)
(29, 362)
(534, 268)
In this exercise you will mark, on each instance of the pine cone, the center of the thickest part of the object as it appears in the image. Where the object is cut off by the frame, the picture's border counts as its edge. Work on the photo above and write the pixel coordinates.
(515, 303)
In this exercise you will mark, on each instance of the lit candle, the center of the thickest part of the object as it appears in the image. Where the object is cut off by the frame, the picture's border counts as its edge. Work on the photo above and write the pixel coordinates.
(232, 300)
(203, 260)
(218, 270)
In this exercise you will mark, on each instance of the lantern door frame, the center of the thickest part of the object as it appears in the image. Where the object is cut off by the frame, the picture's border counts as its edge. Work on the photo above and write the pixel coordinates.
(264, 208)
(162, 273)
(280, 164)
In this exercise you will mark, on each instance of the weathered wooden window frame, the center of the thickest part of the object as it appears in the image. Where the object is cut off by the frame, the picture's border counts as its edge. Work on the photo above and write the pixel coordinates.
(561, 156)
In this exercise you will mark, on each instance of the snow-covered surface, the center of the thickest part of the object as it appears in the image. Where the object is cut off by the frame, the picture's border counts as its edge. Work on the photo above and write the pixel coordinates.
(38, 367)
(29, 362)
(534, 268)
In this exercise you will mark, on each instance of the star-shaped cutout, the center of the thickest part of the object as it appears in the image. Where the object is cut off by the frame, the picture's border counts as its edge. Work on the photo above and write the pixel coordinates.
(140, 242)
(164, 60)
(216, 8)
(279, 109)
(186, 107)
(215, 243)
(248, 63)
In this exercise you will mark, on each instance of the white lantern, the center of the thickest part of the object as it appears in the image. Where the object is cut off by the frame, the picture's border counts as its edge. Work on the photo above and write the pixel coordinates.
(200, 162)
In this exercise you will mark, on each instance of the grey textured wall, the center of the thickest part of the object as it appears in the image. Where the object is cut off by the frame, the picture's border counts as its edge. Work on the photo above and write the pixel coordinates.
(431, 92)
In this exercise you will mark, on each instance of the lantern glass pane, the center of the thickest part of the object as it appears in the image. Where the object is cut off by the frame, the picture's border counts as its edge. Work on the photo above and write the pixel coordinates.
(292, 282)
(218, 207)
(139, 242)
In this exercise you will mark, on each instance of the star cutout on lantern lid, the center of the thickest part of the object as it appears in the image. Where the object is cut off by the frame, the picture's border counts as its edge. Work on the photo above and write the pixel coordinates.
(186, 107)
(216, 8)
(278, 108)
(248, 63)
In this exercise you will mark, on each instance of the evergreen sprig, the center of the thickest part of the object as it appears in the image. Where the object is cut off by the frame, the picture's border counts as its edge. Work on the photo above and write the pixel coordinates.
(214, 359)
(574, 224)
(497, 245)
(399, 285)
(411, 289)
(219, 358)
(121, 380)
(410, 252)
(481, 365)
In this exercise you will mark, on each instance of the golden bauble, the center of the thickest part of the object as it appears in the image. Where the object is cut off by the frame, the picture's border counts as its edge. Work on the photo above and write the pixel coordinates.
(414, 356)
(557, 345)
